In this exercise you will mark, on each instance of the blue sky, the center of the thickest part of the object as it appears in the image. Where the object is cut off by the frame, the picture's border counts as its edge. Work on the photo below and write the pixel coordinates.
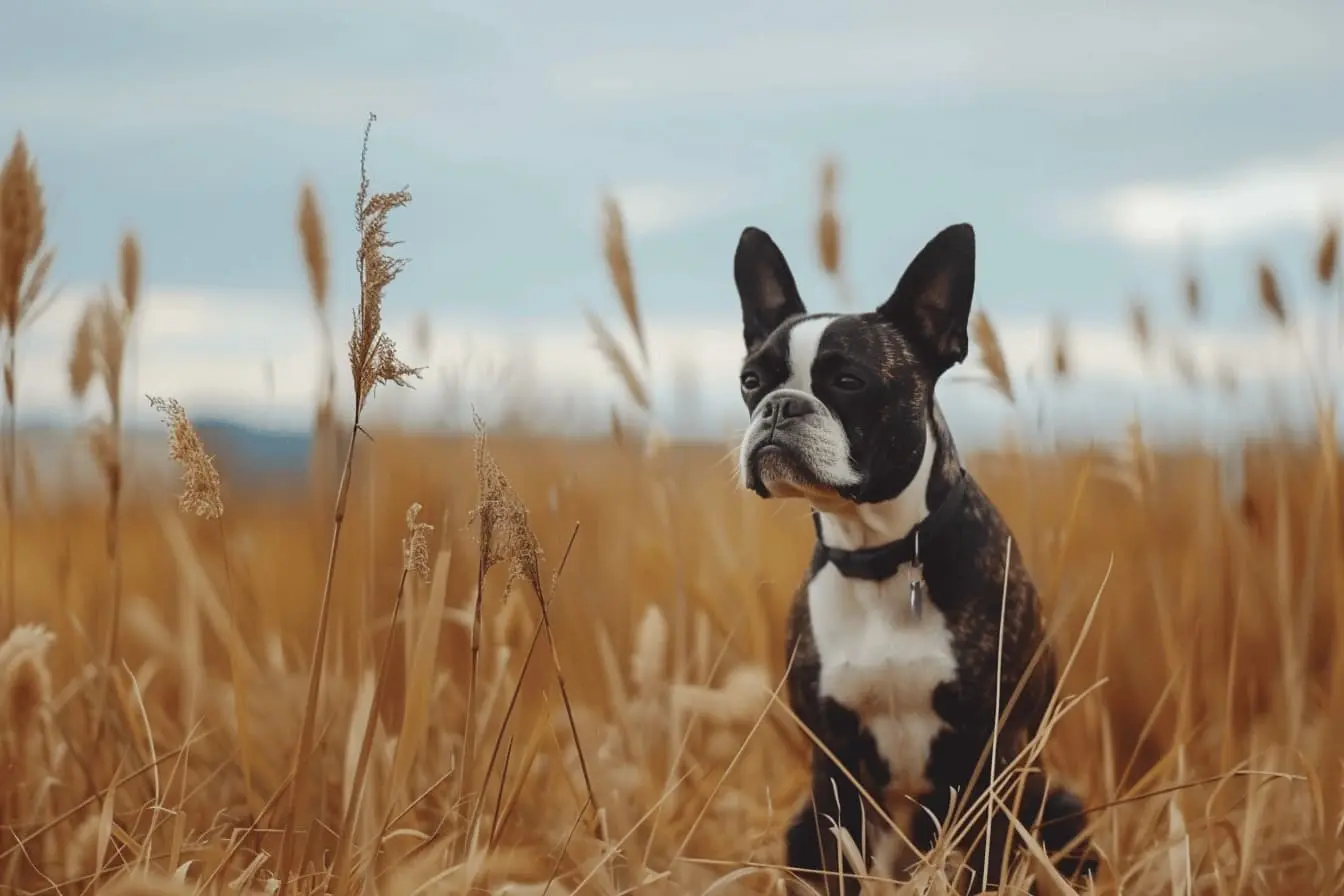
(1097, 149)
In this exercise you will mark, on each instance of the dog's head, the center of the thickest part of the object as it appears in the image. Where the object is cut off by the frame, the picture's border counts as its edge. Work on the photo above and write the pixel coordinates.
(840, 403)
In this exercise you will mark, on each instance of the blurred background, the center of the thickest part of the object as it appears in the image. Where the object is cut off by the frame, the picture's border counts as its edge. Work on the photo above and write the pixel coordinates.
(1105, 154)
(1156, 190)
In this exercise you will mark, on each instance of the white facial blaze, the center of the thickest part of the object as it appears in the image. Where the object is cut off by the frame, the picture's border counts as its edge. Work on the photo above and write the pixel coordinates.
(820, 437)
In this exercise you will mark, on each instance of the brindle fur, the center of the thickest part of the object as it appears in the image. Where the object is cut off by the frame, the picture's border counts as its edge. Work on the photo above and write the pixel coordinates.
(905, 347)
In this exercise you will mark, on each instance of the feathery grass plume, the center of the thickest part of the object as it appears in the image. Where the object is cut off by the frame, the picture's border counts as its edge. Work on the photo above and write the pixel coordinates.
(24, 266)
(1138, 325)
(1327, 254)
(373, 362)
(373, 354)
(415, 547)
(505, 535)
(1059, 348)
(1191, 292)
(1271, 298)
(991, 355)
(200, 481)
(616, 251)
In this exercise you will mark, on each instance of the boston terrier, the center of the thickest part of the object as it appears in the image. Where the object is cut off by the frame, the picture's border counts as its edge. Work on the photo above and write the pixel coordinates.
(894, 638)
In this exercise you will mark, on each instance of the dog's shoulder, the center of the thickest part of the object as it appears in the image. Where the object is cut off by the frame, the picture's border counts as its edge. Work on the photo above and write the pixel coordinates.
(996, 621)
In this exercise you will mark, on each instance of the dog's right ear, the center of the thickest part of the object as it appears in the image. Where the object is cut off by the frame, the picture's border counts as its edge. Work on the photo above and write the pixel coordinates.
(765, 285)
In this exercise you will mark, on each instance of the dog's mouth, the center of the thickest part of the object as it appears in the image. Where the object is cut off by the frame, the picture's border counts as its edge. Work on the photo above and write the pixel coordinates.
(777, 471)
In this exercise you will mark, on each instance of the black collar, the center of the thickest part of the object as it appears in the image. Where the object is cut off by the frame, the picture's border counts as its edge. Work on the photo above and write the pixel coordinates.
(879, 563)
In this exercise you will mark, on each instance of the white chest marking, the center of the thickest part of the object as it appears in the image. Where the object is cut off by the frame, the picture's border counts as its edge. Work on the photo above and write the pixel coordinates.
(876, 657)
(882, 663)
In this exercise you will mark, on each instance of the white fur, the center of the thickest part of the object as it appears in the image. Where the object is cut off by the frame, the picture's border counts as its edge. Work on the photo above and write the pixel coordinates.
(823, 443)
(876, 658)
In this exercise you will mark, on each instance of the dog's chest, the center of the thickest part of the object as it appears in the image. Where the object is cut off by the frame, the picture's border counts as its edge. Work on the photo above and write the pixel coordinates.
(880, 661)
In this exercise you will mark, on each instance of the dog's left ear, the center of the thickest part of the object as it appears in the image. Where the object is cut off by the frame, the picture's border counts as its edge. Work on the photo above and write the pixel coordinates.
(932, 301)
(765, 285)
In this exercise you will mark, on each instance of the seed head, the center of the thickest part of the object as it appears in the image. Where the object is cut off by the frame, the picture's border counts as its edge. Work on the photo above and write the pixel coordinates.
(415, 547)
(1270, 296)
(23, 263)
(313, 239)
(373, 354)
(1059, 339)
(991, 354)
(828, 222)
(1138, 324)
(201, 486)
(130, 272)
(622, 273)
(1327, 254)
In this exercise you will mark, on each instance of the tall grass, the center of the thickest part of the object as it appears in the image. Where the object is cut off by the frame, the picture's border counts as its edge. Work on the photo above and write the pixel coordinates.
(285, 713)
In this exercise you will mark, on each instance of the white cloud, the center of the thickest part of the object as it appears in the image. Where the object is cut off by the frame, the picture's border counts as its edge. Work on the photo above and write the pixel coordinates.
(1249, 200)
(210, 349)
(280, 91)
(651, 208)
(978, 47)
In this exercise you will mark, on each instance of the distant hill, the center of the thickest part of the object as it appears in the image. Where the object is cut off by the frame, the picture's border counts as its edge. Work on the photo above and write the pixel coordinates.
(247, 451)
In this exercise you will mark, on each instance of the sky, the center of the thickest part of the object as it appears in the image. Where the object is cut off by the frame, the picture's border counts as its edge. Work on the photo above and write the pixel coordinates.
(1100, 152)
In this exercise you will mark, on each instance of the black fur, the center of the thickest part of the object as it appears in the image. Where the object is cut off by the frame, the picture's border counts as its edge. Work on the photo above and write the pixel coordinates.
(896, 355)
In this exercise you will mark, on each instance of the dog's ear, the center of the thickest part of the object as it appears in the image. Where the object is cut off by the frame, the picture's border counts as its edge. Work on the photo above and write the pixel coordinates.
(765, 285)
(932, 301)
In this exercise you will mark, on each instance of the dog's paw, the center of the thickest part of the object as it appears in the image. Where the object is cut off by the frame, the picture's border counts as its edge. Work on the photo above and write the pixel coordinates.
(1062, 824)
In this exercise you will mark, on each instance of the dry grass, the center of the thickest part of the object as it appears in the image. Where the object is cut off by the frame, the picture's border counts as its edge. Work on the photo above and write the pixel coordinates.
(354, 702)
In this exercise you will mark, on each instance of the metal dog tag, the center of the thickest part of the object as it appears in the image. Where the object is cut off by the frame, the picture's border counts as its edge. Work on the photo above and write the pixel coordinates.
(916, 592)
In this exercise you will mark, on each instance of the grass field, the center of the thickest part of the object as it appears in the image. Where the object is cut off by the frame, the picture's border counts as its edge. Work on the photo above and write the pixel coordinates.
(159, 693)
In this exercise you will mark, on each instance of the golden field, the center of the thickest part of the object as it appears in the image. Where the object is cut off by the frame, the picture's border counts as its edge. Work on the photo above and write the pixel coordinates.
(159, 693)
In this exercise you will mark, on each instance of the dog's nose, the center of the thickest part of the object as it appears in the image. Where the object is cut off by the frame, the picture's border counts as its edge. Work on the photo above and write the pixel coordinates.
(783, 407)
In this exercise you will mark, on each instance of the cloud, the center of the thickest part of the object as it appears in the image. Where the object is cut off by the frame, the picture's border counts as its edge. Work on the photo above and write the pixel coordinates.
(653, 208)
(1249, 200)
(256, 357)
(936, 53)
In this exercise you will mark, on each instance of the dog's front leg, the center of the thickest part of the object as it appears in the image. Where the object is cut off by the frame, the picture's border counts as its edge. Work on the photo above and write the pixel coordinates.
(811, 846)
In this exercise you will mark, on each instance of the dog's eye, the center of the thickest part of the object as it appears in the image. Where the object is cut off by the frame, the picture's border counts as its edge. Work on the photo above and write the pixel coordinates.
(847, 382)
(750, 382)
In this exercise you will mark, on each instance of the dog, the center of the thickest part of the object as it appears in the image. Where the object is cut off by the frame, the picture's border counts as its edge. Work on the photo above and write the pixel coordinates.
(893, 640)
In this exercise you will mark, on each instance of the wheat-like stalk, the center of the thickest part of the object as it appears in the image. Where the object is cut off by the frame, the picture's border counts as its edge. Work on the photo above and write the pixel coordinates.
(98, 352)
(1059, 349)
(1192, 295)
(415, 560)
(616, 252)
(373, 362)
(25, 263)
(1139, 326)
(991, 355)
(506, 536)
(1271, 297)
(325, 445)
(829, 242)
(1327, 254)
(620, 362)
